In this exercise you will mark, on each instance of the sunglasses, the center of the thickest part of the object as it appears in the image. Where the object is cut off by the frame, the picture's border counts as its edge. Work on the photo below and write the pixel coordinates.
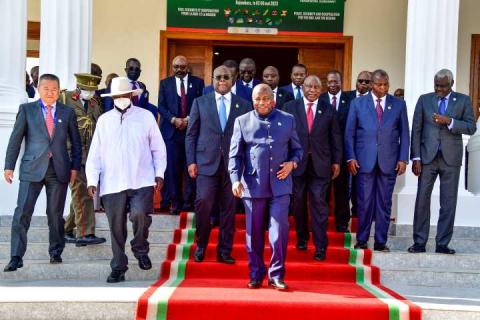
(222, 76)
(363, 81)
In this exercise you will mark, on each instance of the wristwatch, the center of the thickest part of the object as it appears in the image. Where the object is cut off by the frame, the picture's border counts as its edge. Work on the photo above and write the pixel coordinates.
(295, 165)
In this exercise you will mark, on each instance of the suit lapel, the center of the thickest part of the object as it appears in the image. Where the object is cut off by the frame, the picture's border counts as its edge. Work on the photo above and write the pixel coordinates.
(452, 103)
(371, 109)
(342, 108)
(212, 108)
(387, 112)
(318, 114)
(234, 110)
(435, 104)
(302, 114)
(59, 113)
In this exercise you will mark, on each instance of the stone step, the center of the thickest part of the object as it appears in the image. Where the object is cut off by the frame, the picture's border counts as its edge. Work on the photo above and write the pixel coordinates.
(431, 277)
(461, 245)
(458, 231)
(40, 234)
(428, 260)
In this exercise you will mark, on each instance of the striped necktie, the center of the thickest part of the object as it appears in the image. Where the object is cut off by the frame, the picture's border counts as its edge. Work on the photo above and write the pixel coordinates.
(49, 121)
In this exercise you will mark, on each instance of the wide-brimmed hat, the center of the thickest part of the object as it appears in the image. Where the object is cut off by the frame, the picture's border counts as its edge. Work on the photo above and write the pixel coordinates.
(87, 81)
(120, 86)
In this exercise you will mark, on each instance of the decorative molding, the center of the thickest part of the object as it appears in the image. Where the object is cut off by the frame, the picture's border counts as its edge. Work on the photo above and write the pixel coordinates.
(33, 30)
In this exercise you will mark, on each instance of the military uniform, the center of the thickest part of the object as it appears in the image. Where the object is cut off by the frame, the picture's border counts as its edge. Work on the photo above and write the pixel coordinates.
(82, 215)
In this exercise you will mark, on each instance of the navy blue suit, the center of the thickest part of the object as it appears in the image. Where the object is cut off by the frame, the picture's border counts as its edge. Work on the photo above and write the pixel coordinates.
(377, 147)
(107, 102)
(289, 88)
(207, 146)
(169, 106)
(255, 82)
(322, 147)
(341, 185)
(282, 97)
(241, 91)
(259, 145)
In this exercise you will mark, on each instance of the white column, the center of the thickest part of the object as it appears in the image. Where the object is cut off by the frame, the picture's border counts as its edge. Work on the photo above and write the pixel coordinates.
(66, 39)
(432, 32)
(13, 20)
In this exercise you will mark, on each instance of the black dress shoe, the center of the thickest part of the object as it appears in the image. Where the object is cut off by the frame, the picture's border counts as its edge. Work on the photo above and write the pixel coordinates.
(301, 245)
(70, 238)
(14, 264)
(188, 207)
(89, 240)
(444, 249)
(416, 248)
(278, 284)
(116, 276)
(55, 259)
(343, 229)
(199, 254)
(225, 258)
(381, 247)
(254, 284)
(360, 245)
(144, 262)
(320, 255)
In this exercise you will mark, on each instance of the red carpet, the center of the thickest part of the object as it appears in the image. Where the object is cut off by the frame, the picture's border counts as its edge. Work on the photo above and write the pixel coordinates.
(344, 286)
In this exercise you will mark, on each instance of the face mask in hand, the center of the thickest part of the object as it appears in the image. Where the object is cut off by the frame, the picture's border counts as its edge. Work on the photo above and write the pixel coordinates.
(122, 103)
(87, 95)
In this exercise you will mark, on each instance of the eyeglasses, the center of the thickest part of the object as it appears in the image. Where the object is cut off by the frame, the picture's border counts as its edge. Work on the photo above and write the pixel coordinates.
(222, 76)
(363, 81)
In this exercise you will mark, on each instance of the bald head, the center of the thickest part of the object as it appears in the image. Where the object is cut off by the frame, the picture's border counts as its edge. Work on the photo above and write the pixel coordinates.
(263, 100)
(222, 80)
(271, 77)
(312, 88)
(180, 66)
(247, 69)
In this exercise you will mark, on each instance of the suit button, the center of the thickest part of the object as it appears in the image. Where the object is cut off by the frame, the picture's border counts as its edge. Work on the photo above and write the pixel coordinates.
(271, 170)
(269, 137)
(271, 158)
(271, 147)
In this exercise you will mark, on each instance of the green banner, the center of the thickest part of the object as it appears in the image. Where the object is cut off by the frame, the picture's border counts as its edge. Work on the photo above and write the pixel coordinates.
(257, 17)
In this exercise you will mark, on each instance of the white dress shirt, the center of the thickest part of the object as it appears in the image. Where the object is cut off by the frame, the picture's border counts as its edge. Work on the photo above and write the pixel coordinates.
(185, 84)
(127, 151)
(234, 88)
(275, 94)
(314, 107)
(383, 100)
(227, 101)
(330, 97)
(248, 84)
(294, 90)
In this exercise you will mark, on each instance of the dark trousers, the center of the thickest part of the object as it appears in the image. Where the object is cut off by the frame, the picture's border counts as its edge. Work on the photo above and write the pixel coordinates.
(342, 199)
(255, 211)
(374, 200)
(215, 192)
(27, 197)
(140, 202)
(449, 176)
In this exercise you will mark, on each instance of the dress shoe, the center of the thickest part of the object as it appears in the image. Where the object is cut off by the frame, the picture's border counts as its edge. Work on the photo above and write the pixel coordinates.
(188, 207)
(89, 240)
(444, 249)
(164, 208)
(225, 258)
(116, 276)
(301, 245)
(199, 254)
(360, 245)
(343, 229)
(14, 264)
(144, 262)
(70, 238)
(381, 247)
(416, 248)
(174, 211)
(254, 284)
(278, 284)
(320, 255)
(55, 259)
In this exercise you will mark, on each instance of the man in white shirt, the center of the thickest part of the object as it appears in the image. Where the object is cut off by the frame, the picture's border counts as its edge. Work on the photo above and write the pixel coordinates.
(128, 157)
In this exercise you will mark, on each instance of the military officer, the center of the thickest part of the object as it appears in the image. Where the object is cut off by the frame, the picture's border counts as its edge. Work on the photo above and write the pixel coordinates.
(88, 108)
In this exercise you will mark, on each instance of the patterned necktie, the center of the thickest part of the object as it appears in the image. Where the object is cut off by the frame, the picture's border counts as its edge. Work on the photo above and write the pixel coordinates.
(443, 106)
(334, 102)
(310, 116)
(183, 100)
(134, 98)
(379, 110)
(222, 113)
(299, 94)
(49, 121)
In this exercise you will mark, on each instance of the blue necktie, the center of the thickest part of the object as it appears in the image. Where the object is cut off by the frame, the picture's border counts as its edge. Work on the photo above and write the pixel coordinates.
(222, 113)
(299, 94)
(443, 106)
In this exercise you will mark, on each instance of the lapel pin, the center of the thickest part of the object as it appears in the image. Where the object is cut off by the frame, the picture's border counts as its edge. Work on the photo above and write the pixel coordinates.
(237, 106)
(279, 124)
(343, 101)
(454, 99)
(60, 120)
(389, 107)
(319, 111)
(190, 86)
(280, 95)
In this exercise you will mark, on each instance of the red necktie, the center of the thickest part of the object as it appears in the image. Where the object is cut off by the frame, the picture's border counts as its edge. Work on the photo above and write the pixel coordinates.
(134, 98)
(183, 100)
(49, 121)
(334, 102)
(310, 116)
(379, 110)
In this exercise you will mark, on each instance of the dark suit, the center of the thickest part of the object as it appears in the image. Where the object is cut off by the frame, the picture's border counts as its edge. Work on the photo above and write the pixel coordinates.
(259, 145)
(38, 169)
(377, 147)
(282, 97)
(255, 82)
(107, 102)
(208, 146)
(169, 106)
(341, 185)
(441, 151)
(322, 147)
(289, 88)
(241, 91)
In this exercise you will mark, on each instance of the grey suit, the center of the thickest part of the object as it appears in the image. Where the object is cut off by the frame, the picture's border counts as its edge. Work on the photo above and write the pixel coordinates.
(39, 169)
(440, 150)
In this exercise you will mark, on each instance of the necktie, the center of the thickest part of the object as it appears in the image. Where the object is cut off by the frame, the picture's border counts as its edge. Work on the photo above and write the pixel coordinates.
(443, 106)
(222, 113)
(183, 100)
(299, 94)
(134, 98)
(334, 102)
(49, 121)
(379, 110)
(309, 116)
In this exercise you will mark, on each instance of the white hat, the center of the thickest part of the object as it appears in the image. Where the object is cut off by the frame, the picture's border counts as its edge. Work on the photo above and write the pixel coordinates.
(121, 85)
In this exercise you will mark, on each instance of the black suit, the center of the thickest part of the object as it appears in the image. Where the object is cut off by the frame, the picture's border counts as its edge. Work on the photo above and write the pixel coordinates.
(46, 162)
(322, 148)
(283, 96)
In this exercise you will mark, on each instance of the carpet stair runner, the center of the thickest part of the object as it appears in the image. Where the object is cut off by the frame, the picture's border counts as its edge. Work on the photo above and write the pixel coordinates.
(344, 286)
